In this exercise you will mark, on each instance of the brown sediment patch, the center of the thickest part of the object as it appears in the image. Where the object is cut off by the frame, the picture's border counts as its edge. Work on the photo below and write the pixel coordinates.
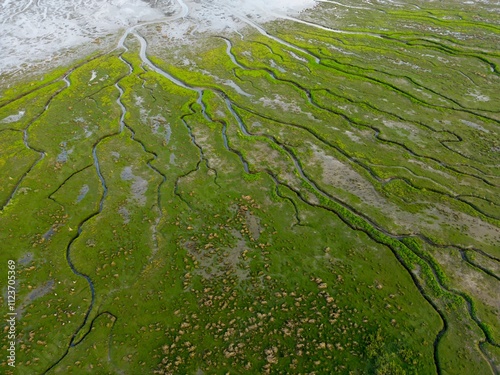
(472, 226)
(212, 261)
(340, 175)
(253, 224)
(472, 281)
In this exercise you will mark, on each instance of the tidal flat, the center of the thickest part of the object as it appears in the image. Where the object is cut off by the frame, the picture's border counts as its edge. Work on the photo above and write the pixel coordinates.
(267, 192)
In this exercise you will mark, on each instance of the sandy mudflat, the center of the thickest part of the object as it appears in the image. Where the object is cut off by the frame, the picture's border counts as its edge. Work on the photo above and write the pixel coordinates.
(39, 31)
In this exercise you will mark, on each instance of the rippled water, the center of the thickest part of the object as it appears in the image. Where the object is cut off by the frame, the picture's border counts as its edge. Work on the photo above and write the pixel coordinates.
(40, 30)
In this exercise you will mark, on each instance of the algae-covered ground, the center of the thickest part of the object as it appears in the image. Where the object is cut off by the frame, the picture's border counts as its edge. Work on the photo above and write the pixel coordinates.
(318, 194)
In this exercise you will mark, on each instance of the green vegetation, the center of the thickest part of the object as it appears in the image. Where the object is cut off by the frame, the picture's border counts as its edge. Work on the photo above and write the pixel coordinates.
(323, 204)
